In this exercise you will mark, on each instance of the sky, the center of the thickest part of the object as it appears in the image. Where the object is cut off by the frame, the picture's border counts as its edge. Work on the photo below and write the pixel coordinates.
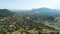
(29, 4)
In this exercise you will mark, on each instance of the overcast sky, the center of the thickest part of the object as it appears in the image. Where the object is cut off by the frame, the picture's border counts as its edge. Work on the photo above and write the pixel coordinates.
(29, 4)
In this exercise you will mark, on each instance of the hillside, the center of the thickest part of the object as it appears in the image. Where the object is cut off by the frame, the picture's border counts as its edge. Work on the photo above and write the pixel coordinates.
(25, 24)
(5, 13)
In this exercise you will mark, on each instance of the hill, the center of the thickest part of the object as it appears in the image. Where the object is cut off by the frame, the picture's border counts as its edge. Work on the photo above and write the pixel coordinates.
(25, 24)
(5, 13)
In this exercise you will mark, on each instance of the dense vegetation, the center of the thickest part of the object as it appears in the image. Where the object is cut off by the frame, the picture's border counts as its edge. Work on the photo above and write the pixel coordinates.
(5, 13)
(33, 23)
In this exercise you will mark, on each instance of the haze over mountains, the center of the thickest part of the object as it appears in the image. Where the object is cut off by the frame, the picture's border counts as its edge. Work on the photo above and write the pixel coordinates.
(42, 11)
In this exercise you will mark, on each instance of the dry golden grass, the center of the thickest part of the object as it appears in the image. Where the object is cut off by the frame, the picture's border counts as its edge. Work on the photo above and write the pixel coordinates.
(32, 31)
